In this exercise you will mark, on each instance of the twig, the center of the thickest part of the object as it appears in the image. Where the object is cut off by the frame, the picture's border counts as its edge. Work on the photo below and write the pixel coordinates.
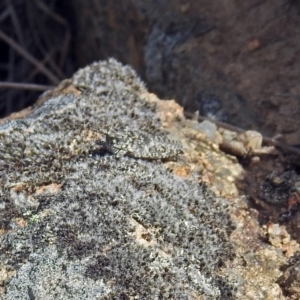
(62, 21)
(43, 62)
(49, 12)
(15, 22)
(29, 57)
(4, 15)
(267, 140)
(10, 77)
(41, 39)
(25, 86)
(65, 48)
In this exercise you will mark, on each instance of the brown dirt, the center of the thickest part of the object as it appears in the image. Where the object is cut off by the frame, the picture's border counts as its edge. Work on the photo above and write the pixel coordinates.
(237, 61)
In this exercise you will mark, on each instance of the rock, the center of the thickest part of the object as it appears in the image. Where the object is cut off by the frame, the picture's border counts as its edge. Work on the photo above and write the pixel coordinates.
(290, 279)
(96, 225)
(83, 221)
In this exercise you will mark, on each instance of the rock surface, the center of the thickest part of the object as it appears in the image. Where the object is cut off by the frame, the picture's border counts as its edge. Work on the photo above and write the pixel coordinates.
(81, 223)
(78, 221)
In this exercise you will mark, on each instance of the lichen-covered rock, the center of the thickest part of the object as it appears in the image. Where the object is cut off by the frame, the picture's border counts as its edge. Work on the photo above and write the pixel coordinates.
(82, 223)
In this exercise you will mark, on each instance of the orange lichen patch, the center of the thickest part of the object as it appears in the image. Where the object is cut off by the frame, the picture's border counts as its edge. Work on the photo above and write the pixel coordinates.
(17, 115)
(20, 222)
(5, 273)
(52, 188)
(182, 171)
(290, 249)
(207, 165)
(146, 237)
(197, 135)
(280, 238)
(142, 234)
(195, 296)
(63, 88)
(169, 111)
(71, 90)
(91, 135)
(19, 187)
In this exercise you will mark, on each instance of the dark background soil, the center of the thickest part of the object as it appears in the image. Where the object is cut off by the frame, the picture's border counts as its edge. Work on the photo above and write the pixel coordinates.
(237, 61)
(234, 61)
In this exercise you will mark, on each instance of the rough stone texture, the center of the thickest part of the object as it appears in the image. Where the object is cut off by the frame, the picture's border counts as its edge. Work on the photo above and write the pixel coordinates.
(78, 222)
(290, 280)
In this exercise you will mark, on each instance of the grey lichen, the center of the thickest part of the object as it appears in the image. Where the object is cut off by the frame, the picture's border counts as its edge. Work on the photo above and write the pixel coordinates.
(141, 145)
(116, 227)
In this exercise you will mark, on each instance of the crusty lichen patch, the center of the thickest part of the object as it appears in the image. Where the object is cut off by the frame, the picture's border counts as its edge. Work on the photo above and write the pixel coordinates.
(97, 225)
